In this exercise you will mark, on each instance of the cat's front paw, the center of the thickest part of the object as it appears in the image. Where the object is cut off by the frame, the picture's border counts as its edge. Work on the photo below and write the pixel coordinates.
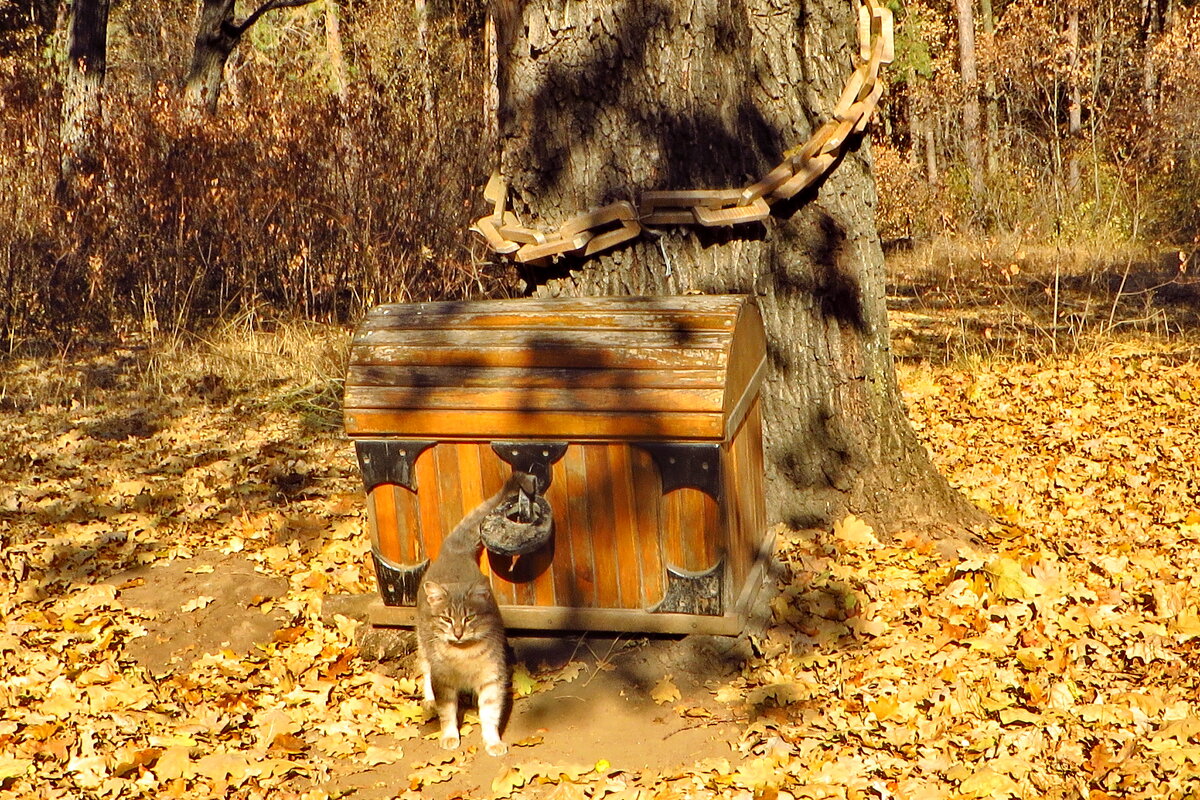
(497, 749)
(450, 741)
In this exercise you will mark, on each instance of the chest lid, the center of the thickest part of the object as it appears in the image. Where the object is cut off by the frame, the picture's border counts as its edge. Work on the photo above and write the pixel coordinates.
(595, 368)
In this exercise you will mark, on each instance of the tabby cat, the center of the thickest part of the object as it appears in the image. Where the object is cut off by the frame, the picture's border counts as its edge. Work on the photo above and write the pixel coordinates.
(460, 636)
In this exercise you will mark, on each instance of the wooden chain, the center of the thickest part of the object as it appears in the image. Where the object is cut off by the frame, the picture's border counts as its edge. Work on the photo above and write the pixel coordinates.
(602, 228)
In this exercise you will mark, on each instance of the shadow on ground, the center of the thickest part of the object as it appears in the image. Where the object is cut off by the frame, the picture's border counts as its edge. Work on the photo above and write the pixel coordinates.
(607, 711)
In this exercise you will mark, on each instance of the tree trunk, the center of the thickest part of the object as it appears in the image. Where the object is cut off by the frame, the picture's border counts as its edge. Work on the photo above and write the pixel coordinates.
(600, 101)
(491, 88)
(1074, 101)
(991, 113)
(215, 39)
(83, 84)
(421, 16)
(339, 77)
(931, 162)
(969, 73)
(217, 34)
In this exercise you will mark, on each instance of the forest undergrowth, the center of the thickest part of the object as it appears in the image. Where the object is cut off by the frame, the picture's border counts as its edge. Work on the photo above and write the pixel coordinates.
(1058, 660)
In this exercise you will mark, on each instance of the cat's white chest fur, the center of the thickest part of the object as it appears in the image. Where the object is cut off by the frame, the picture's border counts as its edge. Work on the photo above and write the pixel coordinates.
(465, 665)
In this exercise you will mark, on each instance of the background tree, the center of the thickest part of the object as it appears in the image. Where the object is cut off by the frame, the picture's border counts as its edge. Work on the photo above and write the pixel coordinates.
(964, 12)
(600, 101)
(217, 34)
(83, 84)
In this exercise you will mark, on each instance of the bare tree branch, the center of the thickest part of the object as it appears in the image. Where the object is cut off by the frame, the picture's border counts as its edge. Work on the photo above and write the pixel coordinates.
(239, 28)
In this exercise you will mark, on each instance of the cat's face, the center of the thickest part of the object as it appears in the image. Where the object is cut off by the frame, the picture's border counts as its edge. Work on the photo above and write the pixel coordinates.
(458, 615)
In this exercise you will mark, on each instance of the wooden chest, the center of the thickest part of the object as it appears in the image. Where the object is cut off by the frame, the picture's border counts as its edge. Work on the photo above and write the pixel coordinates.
(641, 416)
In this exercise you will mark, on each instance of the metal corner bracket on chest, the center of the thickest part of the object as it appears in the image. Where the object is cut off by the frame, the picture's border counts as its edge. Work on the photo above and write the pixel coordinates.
(639, 417)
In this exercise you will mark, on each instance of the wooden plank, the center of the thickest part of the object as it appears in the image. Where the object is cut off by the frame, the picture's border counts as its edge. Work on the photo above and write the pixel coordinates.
(482, 315)
(578, 503)
(674, 534)
(449, 489)
(602, 525)
(557, 495)
(433, 524)
(691, 530)
(478, 355)
(735, 499)
(545, 338)
(554, 425)
(737, 414)
(647, 504)
(510, 575)
(474, 377)
(564, 618)
(756, 481)
(744, 493)
(711, 532)
(519, 398)
(745, 367)
(393, 524)
(664, 310)
(407, 524)
(381, 524)
(531, 575)
(757, 577)
(628, 549)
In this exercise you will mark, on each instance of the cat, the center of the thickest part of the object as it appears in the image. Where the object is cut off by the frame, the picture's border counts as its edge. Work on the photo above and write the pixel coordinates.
(461, 643)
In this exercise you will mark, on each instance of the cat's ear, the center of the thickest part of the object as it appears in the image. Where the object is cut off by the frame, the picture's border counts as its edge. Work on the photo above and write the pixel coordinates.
(480, 591)
(434, 592)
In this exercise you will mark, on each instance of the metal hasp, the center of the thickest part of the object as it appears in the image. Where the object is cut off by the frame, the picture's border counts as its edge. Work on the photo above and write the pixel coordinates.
(533, 458)
(695, 466)
(389, 461)
(398, 585)
(694, 592)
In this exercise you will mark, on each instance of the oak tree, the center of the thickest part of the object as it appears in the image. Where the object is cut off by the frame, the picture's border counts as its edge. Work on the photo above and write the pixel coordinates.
(83, 84)
(218, 33)
(599, 101)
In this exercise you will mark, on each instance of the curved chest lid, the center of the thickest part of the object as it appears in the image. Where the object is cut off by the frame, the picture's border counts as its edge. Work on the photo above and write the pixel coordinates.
(595, 368)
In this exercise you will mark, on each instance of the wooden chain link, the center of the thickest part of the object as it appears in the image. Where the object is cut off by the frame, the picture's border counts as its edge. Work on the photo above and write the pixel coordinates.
(602, 228)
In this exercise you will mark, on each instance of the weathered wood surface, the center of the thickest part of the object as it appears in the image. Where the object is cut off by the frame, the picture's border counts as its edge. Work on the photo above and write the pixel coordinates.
(535, 425)
(569, 368)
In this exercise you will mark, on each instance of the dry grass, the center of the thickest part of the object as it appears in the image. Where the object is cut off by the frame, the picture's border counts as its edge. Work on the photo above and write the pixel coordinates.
(295, 199)
(961, 298)
(297, 366)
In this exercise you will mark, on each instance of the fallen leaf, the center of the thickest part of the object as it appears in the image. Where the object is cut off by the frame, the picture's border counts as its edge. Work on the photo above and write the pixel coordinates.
(853, 533)
(665, 691)
(197, 603)
(523, 683)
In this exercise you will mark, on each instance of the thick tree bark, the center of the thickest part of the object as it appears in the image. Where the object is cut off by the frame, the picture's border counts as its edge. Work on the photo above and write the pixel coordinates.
(602, 100)
(215, 39)
(969, 73)
(83, 84)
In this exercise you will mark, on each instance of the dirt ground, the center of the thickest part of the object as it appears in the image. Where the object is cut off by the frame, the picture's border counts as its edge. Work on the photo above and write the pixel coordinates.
(605, 711)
